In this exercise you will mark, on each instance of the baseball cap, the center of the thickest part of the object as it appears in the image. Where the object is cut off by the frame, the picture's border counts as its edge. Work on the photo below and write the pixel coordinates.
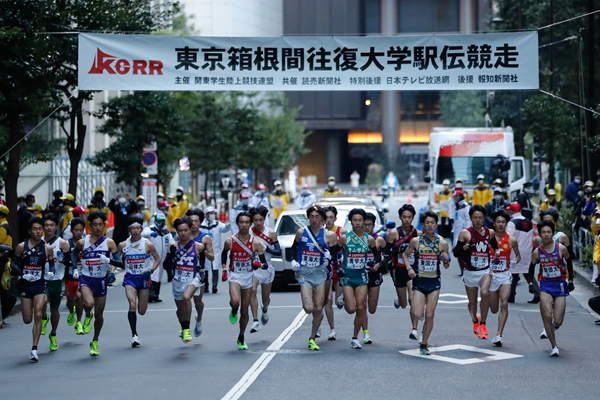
(244, 195)
(160, 215)
(277, 182)
(79, 210)
(331, 178)
(588, 183)
(69, 196)
(209, 209)
(480, 176)
(514, 207)
(498, 190)
(446, 182)
(245, 186)
(160, 194)
(260, 186)
(458, 193)
(4, 210)
(163, 204)
(498, 181)
(458, 185)
(305, 186)
(551, 192)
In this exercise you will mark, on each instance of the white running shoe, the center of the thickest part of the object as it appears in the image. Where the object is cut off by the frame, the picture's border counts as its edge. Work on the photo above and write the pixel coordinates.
(318, 333)
(397, 303)
(332, 335)
(554, 352)
(497, 341)
(367, 339)
(544, 335)
(414, 335)
(422, 318)
(33, 356)
(198, 328)
(135, 341)
(264, 318)
(355, 344)
(340, 302)
(255, 327)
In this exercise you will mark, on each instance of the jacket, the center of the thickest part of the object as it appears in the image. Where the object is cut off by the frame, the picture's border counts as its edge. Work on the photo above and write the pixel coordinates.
(443, 199)
(482, 194)
(521, 229)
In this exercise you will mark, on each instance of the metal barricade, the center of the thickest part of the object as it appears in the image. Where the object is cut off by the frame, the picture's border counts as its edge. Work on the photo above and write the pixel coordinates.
(581, 238)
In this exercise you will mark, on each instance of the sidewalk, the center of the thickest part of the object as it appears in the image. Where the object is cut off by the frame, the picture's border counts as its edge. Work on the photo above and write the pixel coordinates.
(583, 276)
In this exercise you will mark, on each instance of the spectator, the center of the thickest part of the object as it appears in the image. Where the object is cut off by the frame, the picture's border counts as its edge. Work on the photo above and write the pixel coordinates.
(68, 204)
(182, 202)
(524, 200)
(159, 236)
(77, 212)
(392, 180)
(5, 237)
(7, 299)
(56, 206)
(482, 193)
(355, 180)
(498, 202)
(550, 201)
(98, 204)
(24, 213)
(122, 207)
(306, 199)
(572, 189)
(142, 211)
(521, 229)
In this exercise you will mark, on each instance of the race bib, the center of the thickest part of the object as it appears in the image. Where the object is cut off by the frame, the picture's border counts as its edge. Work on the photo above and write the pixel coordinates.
(136, 263)
(411, 259)
(356, 261)
(551, 272)
(500, 266)
(311, 259)
(428, 262)
(480, 260)
(184, 273)
(242, 266)
(32, 273)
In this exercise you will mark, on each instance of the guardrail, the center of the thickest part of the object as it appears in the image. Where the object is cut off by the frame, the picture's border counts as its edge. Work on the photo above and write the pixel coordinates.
(581, 238)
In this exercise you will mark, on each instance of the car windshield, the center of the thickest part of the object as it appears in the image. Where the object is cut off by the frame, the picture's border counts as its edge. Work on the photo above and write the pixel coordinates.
(291, 223)
(465, 168)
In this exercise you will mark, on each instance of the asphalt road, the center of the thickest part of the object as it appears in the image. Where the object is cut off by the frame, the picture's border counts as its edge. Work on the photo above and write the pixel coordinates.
(279, 366)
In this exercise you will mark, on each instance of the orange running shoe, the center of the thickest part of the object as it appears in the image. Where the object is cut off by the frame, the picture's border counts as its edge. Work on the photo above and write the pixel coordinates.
(476, 326)
(483, 333)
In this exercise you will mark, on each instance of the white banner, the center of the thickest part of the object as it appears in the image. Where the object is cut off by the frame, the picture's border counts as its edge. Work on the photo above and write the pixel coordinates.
(149, 190)
(503, 61)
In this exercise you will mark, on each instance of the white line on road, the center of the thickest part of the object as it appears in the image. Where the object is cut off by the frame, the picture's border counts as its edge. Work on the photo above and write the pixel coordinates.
(492, 355)
(250, 376)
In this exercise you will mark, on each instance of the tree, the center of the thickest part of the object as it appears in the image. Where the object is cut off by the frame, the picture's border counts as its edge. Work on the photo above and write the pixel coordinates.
(136, 120)
(463, 108)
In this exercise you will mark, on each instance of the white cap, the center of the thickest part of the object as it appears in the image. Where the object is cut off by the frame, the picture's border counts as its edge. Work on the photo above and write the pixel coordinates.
(498, 190)
(446, 182)
(209, 210)
(160, 215)
(480, 176)
(277, 182)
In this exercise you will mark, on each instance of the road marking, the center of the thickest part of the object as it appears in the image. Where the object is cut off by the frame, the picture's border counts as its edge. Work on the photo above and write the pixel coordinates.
(250, 376)
(493, 355)
(463, 297)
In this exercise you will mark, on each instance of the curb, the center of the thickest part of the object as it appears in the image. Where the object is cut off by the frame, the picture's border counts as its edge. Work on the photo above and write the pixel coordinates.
(583, 276)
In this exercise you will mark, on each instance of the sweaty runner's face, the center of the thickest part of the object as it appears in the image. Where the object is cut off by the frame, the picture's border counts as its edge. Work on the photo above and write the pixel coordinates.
(500, 224)
(546, 234)
(77, 232)
(49, 229)
(477, 219)
(368, 226)
(315, 219)
(330, 220)
(407, 218)
(97, 226)
(244, 224)
(429, 226)
(357, 222)
(136, 232)
(183, 232)
(36, 231)
(195, 223)
(259, 221)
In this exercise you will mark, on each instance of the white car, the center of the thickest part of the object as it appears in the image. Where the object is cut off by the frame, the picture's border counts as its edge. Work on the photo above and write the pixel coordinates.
(290, 221)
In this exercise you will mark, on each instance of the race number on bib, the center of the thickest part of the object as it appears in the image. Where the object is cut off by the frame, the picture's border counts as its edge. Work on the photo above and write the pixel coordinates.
(428, 262)
(501, 266)
(551, 272)
(356, 261)
(242, 266)
(480, 261)
(310, 259)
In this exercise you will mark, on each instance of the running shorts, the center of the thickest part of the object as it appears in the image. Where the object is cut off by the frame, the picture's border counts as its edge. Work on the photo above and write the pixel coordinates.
(244, 279)
(71, 287)
(400, 276)
(499, 279)
(54, 293)
(179, 288)
(329, 271)
(354, 278)
(555, 288)
(29, 290)
(265, 276)
(203, 279)
(472, 278)
(311, 277)
(375, 278)
(96, 285)
(427, 285)
(138, 282)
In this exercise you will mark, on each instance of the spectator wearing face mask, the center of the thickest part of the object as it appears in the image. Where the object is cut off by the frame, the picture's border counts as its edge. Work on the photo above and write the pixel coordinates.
(142, 211)
(159, 236)
(482, 193)
(331, 189)
(550, 201)
(214, 228)
(98, 204)
(242, 205)
(572, 189)
(443, 199)
(498, 202)
(182, 201)
(524, 200)
(279, 200)
(122, 207)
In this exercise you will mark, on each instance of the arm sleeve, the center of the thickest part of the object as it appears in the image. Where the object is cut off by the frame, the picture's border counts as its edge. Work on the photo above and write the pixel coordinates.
(67, 260)
(276, 250)
(116, 260)
(15, 266)
(202, 259)
(168, 261)
(531, 270)
(570, 268)
(295, 251)
(376, 255)
(224, 256)
(51, 266)
(458, 250)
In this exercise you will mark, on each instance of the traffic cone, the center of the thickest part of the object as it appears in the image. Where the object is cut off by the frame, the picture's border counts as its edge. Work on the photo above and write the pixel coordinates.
(409, 201)
(223, 217)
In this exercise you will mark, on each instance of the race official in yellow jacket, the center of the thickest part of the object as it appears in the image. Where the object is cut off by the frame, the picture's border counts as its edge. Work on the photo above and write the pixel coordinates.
(443, 199)
(331, 189)
(279, 200)
(482, 193)
(182, 201)
(98, 204)
(5, 237)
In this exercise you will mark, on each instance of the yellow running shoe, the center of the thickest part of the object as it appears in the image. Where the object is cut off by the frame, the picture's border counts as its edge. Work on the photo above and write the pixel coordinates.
(94, 348)
(79, 328)
(185, 336)
(87, 324)
(53, 343)
(45, 325)
(312, 345)
(71, 317)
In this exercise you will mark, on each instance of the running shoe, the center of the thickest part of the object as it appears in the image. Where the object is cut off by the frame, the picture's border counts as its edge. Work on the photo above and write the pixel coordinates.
(318, 335)
(79, 328)
(367, 339)
(414, 335)
(185, 336)
(233, 318)
(424, 350)
(554, 352)
(198, 328)
(355, 344)
(332, 335)
(33, 356)
(544, 335)
(71, 317)
(53, 343)
(476, 326)
(87, 324)
(340, 302)
(497, 341)
(264, 318)
(255, 327)
(397, 303)
(94, 348)
(45, 325)
(242, 345)
(312, 345)
(556, 327)
(135, 341)
(483, 333)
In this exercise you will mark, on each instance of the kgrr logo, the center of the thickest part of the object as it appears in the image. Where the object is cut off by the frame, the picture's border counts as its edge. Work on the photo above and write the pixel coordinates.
(106, 63)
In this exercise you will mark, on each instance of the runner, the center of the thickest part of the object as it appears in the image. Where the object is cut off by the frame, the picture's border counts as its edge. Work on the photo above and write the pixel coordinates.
(158, 234)
(186, 261)
(429, 250)
(554, 287)
(502, 246)
(141, 260)
(62, 258)
(268, 239)
(473, 251)
(241, 277)
(356, 245)
(74, 300)
(29, 262)
(310, 260)
(97, 272)
(374, 274)
(396, 245)
(333, 282)
(197, 216)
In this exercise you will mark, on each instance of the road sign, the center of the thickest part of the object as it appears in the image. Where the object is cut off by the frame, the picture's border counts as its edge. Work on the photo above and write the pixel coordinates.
(150, 147)
(150, 161)
(149, 188)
